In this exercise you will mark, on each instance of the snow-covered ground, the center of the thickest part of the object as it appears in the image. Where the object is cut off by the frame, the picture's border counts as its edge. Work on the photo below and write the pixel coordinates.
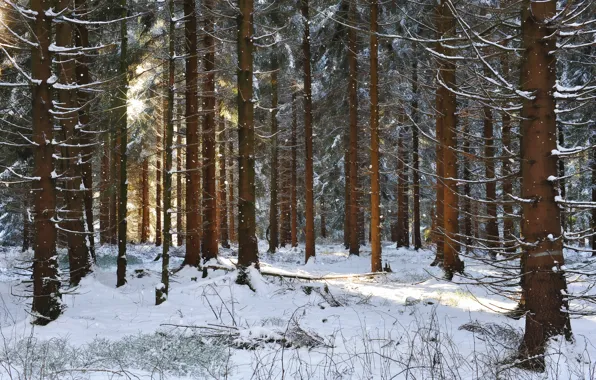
(408, 324)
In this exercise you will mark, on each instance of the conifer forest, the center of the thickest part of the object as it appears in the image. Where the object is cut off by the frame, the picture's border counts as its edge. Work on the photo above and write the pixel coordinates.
(297, 189)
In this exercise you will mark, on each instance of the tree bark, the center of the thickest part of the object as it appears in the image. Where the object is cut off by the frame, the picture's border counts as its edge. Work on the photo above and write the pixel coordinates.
(84, 78)
(74, 215)
(231, 202)
(375, 185)
(179, 176)
(223, 196)
(47, 304)
(123, 127)
(104, 197)
(158, 167)
(308, 143)
(209, 246)
(403, 225)
(544, 288)
(161, 293)
(145, 202)
(353, 99)
(273, 213)
(415, 159)
(492, 228)
(248, 253)
(193, 179)
(448, 110)
(294, 180)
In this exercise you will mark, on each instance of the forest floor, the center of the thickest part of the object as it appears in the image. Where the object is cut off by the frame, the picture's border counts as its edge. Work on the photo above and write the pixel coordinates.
(408, 324)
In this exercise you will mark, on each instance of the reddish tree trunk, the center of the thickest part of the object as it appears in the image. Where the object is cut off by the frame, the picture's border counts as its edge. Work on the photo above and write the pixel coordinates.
(492, 227)
(543, 287)
(223, 196)
(248, 253)
(353, 100)
(145, 202)
(192, 138)
(308, 143)
(179, 203)
(415, 160)
(375, 183)
(46, 305)
(294, 181)
(231, 201)
(273, 214)
(209, 245)
(403, 229)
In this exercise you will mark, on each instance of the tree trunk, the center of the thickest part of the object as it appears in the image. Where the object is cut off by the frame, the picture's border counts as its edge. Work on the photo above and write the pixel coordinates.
(193, 179)
(123, 124)
(492, 228)
(294, 181)
(209, 246)
(104, 197)
(114, 174)
(508, 229)
(415, 159)
(158, 167)
(179, 176)
(47, 304)
(74, 215)
(308, 143)
(403, 237)
(543, 287)
(84, 78)
(375, 185)
(161, 292)
(231, 202)
(248, 253)
(467, 203)
(145, 203)
(273, 214)
(223, 196)
(593, 167)
(26, 222)
(448, 110)
(353, 98)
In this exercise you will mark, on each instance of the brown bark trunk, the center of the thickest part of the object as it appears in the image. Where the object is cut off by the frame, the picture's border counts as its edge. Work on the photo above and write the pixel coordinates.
(375, 182)
(158, 169)
(403, 237)
(83, 78)
(74, 215)
(415, 160)
(353, 98)
(323, 222)
(448, 109)
(273, 214)
(209, 245)
(123, 129)
(294, 181)
(179, 176)
(26, 223)
(114, 176)
(145, 202)
(543, 287)
(47, 304)
(467, 203)
(492, 227)
(223, 196)
(231, 202)
(593, 221)
(193, 179)
(508, 228)
(161, 293)
(248, 253)
(308, 143)
(104, 197)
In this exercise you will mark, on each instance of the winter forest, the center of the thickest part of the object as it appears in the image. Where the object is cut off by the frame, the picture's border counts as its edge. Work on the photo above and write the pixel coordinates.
(297, 189)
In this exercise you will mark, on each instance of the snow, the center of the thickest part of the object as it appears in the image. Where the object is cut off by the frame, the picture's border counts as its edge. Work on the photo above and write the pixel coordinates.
(383, 321)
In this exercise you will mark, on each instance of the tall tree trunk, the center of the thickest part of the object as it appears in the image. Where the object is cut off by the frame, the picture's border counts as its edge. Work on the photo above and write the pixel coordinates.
(508, 229)
(158, 167)
(593, 221)
(323, 222)
(284, 222)
(308, 143)
(353, 100)
(403, 237)
(84, 78)
(47, 304)
(26, 222)
(467, 173)
(248, 251)
(375, 185)
(114, 173)
(294, 181)
(179, 176)
(104, 197)
(74, 216)
(347, 200)
(448, 109)
(273, 214)
(123, 124)
(161, 292)
(231, 202)
(543, 287)
(223, 196)
(492, 227)
(145, 202)
(209, 245)
(193, 179)
(415, 159)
